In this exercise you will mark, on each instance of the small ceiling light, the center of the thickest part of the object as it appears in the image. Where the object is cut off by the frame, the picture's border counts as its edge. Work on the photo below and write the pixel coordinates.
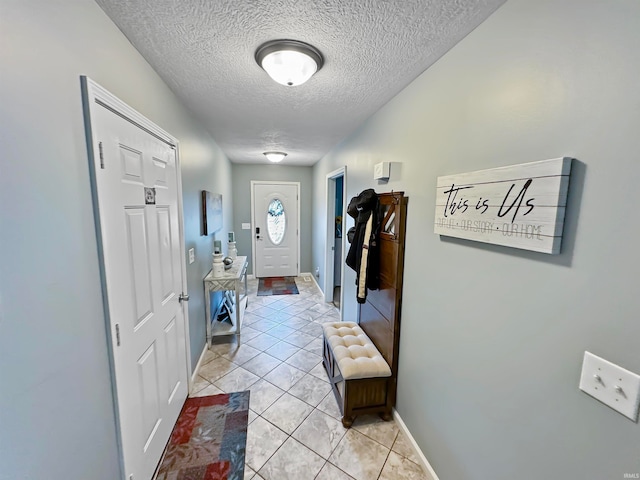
(289, 62)
(275, 157)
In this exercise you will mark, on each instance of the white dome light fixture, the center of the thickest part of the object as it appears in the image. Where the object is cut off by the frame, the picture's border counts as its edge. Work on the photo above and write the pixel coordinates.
(275, 157)
(289, 62)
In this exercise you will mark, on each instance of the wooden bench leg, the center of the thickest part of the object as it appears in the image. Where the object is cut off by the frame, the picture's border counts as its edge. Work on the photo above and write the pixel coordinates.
(386, 416)
(347, 421)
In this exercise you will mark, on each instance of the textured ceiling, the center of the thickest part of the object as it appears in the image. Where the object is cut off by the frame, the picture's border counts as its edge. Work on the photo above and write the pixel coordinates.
(204, 50)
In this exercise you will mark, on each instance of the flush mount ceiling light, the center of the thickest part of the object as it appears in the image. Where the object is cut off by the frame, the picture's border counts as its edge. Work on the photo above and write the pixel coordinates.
(289, 62)
(275, 157)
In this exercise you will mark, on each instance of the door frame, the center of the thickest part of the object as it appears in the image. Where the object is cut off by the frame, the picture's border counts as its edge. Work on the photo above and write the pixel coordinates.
(330, 202)
(253, 220)
(95, 96)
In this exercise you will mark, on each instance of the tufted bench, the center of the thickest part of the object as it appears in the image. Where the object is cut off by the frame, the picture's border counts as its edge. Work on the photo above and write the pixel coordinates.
(359, 374)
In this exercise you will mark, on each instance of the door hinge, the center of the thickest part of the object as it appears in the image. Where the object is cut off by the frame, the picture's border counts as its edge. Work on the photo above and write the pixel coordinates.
(101, 155)
(118, 334)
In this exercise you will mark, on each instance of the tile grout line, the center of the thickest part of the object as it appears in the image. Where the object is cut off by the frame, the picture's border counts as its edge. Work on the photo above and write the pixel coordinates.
(280, 322)
(384, 464)
(288, 436)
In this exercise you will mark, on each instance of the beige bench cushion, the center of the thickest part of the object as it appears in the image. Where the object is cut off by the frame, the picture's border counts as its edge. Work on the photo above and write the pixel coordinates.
(355, 353)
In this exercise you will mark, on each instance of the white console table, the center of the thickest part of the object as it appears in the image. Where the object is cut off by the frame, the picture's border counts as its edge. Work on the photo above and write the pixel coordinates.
(233, 281)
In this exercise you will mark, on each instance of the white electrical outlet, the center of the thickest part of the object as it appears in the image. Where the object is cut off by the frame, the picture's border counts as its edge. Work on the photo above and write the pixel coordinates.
(246, 226)
(612, 385)
(192, 255)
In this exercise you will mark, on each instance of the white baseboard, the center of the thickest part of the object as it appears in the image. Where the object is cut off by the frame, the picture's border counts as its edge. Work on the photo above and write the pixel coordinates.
(313, 277)
(423, 460)
(315, 280)
(195, 370)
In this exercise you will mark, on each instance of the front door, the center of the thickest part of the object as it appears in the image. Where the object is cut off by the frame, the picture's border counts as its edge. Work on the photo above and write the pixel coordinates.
(136, 182)
(275, 229)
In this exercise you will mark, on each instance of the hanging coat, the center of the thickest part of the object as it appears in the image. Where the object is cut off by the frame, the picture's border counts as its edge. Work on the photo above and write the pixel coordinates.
(364, 254)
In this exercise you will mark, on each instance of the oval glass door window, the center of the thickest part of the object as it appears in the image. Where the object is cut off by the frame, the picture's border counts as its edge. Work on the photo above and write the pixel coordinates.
(276, 221)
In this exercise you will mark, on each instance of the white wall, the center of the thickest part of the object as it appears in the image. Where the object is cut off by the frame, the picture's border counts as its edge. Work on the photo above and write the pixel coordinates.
(56, 408)
(242, 176)
(492, 338)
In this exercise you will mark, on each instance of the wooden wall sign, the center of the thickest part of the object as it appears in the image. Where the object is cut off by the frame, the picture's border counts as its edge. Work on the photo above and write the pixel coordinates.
(519, 206)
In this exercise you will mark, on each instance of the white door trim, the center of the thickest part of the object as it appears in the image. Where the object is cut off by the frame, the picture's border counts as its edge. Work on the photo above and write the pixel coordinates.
(330, 202)
(253, 222)
(94, 95)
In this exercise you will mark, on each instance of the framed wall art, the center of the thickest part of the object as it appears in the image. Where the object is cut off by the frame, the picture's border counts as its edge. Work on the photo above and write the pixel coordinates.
(211, 212)
(519, 206)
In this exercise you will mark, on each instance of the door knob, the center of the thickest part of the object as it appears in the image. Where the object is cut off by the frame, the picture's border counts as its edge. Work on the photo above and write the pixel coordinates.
(183, 297)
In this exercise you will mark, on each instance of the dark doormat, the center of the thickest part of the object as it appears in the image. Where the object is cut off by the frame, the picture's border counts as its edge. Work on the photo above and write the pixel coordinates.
(277, 286)
(209, 439)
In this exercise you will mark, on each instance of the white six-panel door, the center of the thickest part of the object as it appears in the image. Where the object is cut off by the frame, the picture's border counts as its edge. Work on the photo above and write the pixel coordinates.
(275, 229)
(137, 191)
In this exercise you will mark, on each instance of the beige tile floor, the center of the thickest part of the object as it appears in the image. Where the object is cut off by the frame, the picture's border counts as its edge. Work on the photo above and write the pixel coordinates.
(294, 422)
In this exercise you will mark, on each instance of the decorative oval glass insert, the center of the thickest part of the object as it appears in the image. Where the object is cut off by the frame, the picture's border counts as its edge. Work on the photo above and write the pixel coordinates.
(276, 221)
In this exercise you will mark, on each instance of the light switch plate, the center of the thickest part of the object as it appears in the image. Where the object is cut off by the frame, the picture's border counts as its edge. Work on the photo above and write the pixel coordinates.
(192, 255)
(612, 385)
(246, 226)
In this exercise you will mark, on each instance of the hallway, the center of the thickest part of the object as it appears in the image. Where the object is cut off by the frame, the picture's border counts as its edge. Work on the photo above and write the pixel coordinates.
(294, 422)
(493, 338)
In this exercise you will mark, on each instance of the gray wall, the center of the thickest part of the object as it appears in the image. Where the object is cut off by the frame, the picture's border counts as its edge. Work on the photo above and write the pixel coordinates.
(204, 167)
(56, 407)
(242, 175)
(492, 338)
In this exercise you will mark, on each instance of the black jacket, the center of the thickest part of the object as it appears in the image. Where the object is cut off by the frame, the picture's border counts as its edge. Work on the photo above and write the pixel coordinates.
(363, 208)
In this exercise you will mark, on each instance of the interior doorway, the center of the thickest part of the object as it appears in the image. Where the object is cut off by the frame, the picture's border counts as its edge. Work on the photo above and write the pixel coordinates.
(336, 237)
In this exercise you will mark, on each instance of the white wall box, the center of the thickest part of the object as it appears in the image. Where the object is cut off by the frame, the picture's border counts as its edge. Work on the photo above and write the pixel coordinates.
(381, 171)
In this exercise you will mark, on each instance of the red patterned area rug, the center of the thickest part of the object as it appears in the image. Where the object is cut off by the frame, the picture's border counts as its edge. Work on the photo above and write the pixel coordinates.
(209, 439)
(277, 286)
